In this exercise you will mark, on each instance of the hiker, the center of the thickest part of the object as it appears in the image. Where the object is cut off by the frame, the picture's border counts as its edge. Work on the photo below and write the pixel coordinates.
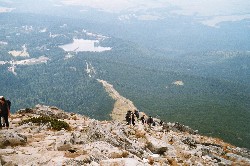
(5, 111)
(1, 118)
(136, 112)
(128, 117)
(133, 118)
(9, 104)
(161, 123)
(143, 120)
(150, 121)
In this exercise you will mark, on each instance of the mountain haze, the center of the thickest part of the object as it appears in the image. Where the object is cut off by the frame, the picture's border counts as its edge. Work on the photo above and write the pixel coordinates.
(172, 61)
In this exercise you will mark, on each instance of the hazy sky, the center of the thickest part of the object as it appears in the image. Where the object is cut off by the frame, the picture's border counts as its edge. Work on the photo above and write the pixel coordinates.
(210, 12)
(188, 7)
(207, 12)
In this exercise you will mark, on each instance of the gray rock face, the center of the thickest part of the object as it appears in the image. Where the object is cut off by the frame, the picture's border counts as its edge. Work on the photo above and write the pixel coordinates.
(9, 138)
(156, 145)
(6, 151)
(52, 112)
(100, 143)
(121, 162)
(63, 146)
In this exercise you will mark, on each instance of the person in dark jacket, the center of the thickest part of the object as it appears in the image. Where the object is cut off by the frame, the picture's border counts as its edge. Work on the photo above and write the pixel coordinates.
(128, 117)
(9, 104)
(4, 111)
(150, 121)
(136, 112)
(143, 119)
(133, 119)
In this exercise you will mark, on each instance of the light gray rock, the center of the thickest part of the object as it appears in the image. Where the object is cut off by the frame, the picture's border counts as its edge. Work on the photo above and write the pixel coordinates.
(221, 160)
(31, 159)
(121, 162)
(94, 143)
(10, 138)
(6, 151)
(102, 150)
(43, 110)
(156, 145)
(93, 164)
(63, 146)
(236, 157)
(16, 121)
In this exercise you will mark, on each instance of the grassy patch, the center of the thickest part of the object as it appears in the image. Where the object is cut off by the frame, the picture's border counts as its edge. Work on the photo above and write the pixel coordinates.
(55, 124)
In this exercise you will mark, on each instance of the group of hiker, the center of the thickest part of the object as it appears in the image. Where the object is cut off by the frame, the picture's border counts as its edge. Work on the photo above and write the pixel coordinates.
(133, 116)
(4, 112)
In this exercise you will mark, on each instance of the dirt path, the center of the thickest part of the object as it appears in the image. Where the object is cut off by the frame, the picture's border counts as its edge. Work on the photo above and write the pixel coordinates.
(121, 106)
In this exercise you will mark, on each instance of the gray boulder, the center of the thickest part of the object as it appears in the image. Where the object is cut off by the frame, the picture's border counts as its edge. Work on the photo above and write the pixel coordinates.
(156, 145)
(10, 138)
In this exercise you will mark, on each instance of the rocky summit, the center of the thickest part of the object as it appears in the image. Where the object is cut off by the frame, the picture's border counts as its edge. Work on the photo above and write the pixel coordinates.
(91, 142)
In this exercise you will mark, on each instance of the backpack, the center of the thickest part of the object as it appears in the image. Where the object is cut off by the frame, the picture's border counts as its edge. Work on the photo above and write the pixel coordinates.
(9, 103)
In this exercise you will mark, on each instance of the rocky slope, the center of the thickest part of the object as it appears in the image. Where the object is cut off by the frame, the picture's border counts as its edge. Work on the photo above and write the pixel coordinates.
(105, 143)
